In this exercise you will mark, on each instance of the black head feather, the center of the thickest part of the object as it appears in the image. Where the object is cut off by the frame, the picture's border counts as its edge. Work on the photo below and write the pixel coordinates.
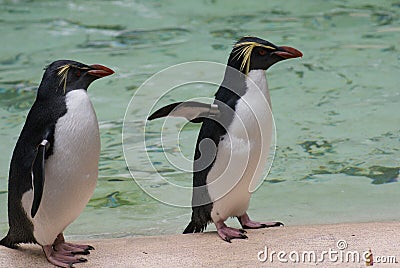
(253, 53)
(62, 76)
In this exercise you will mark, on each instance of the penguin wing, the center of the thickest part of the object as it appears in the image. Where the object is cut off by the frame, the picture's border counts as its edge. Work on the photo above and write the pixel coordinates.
(191, 110)
(38, 175)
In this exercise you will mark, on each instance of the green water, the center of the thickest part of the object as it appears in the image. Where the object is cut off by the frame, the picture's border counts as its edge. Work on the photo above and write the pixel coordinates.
(336, 109)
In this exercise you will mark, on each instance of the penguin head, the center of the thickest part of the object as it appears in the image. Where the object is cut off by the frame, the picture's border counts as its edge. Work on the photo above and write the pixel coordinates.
(253, 53)
(63, 76)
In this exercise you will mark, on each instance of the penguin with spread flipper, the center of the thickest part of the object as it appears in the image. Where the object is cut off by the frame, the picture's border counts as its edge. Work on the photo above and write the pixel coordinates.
(234, 139)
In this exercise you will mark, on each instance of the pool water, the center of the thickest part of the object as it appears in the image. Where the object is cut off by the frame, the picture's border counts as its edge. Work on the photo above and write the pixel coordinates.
(336, 110)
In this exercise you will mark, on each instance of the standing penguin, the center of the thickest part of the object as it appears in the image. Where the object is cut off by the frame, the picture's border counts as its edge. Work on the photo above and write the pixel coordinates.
(54, 166)
(234, 140)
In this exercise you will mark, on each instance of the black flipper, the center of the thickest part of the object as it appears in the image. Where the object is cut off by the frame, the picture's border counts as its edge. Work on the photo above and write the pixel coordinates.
(191, 110)
(38, 176)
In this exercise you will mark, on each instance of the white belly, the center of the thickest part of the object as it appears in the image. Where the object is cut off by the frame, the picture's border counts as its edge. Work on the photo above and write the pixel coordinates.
(70, 172)
(243, 153)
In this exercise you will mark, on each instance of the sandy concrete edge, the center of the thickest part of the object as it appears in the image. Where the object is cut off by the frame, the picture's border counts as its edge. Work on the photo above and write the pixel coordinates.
(207, 250)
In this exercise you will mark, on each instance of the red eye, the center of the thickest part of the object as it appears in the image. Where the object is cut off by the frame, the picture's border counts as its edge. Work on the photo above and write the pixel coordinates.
(262, 52)
(78, 73)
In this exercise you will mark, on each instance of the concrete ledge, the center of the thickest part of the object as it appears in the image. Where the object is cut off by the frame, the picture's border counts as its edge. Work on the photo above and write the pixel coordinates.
(207, 249)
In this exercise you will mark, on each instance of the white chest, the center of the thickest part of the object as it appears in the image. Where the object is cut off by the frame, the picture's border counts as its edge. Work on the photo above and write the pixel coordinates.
(77, 138)
(253, 112)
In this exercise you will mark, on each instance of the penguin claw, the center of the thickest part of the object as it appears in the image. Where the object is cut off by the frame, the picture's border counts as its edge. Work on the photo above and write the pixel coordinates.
(257, 225)
(73, 249)
(249, 224)
(80, 260)
(84, 252)
(229, 238)
(229, 233)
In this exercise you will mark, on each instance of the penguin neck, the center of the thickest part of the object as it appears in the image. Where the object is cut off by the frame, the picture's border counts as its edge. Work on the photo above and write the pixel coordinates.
(232, 88)
(258, 78)
(236, 84)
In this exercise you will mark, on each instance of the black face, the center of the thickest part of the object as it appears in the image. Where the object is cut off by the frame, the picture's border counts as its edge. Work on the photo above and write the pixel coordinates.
(253, 53)
(63, 76)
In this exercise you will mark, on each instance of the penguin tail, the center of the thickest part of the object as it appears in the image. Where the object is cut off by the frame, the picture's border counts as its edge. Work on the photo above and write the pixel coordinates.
(7, 242)
(190, 228)
(194, 227)
(201, 217)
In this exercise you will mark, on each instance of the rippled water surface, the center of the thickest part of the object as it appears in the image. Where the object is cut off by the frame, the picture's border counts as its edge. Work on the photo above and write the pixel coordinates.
(336, 109)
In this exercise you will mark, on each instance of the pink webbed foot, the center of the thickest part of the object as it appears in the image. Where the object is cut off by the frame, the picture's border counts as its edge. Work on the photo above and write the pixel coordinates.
(62, 254)
(69, 248)
(229, 233)
(249, 224)
(61, 258)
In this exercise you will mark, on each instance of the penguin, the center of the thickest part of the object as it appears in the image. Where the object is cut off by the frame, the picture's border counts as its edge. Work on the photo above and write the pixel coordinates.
(234, 139)
(54, 165)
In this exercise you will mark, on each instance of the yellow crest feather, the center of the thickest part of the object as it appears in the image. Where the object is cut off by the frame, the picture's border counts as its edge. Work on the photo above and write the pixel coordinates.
(244, 50)
(63, 74)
